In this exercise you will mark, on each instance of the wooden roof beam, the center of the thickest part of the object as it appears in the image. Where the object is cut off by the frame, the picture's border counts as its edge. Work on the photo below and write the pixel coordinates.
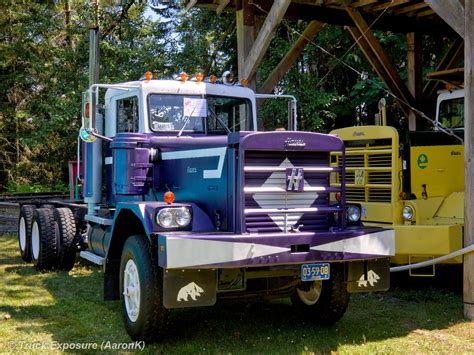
(411, 8)
(290, 58)
(376, 54)
(388, 5)
(451, 11)
(222, 5)
(376, 65)
(264, 38)
(361, 3)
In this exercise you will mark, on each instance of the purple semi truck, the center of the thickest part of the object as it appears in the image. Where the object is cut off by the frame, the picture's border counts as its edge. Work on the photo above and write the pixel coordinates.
(185, 204)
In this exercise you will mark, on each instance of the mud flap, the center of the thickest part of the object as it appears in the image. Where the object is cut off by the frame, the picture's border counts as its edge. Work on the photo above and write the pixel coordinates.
(368, 276)
(189, 288)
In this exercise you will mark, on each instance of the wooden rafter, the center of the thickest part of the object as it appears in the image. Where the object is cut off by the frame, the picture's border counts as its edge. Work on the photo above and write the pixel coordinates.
(388, 5)
(361, 3)
(264, 37)
(222, 5)
(425, 13)
(375, 54)
(411, 8)
(290, 58)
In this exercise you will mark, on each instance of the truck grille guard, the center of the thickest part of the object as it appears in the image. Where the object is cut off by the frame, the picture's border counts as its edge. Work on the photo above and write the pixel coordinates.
(369, 169)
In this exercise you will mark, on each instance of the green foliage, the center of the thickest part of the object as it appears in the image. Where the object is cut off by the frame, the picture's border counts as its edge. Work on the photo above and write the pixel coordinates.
(45, 58)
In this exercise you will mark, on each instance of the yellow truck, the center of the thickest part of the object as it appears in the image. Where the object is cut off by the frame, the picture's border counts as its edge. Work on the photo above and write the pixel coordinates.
(412, 182)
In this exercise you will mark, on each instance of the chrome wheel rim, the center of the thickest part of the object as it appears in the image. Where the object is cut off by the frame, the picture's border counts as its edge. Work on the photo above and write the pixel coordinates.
(311, 296)
(22, 234)
(131, 290)
(35, 240)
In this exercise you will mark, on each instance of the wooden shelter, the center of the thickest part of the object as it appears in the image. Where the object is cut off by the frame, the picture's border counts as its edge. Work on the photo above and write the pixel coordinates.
(257, 21)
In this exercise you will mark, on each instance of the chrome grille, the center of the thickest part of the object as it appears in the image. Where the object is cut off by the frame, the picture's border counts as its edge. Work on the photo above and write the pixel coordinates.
(265, 191)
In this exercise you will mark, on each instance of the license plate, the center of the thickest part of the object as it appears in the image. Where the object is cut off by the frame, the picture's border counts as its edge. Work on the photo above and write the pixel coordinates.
(312, 272)
(359, 177)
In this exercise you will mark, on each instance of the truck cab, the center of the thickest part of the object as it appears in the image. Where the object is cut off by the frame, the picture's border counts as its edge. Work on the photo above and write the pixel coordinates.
(186, 204)
(450, 109)
(413, 182)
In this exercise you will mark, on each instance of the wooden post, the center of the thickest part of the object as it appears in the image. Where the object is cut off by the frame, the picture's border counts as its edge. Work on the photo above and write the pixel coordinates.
(469, 159)
(265, 35)
(414, 75)
(245, 38)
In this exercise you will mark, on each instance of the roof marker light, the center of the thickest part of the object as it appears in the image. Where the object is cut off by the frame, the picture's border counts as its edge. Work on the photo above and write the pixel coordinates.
(199, 77)
(148, 75)
(183, 76)
(213, 79)
(244, 82)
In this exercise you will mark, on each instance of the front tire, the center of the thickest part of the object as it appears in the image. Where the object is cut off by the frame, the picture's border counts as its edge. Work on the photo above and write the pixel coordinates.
(24, 231)
(324, 302)
(141, 291)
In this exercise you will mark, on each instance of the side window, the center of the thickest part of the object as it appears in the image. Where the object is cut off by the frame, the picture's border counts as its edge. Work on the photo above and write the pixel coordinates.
(127, 115)
(451, 113)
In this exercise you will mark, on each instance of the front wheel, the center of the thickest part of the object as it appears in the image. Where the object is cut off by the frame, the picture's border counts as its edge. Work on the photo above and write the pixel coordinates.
(141, 290)
(323, 302)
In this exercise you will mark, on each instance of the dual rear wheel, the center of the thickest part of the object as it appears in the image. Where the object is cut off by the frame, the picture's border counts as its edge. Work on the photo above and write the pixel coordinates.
(47, 237)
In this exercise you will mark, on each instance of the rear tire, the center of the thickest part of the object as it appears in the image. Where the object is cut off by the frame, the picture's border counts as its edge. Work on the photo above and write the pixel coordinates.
(66, 230)
(48, 205)
(324, 302)
(24, 231)
(43, 240)
(141, 291)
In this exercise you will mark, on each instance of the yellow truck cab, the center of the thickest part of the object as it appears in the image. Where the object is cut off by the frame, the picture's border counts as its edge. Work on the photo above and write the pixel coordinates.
(412, 182)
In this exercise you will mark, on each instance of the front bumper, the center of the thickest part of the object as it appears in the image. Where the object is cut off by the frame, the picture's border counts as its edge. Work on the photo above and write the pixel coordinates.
(422, 242)
(226, 250)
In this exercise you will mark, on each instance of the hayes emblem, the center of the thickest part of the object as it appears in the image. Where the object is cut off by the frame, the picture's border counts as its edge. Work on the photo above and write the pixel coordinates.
(291, 142)
(295, 179)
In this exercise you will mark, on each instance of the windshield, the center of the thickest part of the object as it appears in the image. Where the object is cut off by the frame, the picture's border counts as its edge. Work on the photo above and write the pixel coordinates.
(212, 114)
(451, 113)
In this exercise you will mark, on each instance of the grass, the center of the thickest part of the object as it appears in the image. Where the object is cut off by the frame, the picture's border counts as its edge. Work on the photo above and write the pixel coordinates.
(63, 308)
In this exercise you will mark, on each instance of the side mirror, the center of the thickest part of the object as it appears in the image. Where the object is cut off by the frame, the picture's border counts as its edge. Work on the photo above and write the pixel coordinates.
(87, 135)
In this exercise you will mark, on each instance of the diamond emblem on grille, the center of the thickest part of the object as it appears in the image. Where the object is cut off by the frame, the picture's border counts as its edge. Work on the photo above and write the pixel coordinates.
(286, 199)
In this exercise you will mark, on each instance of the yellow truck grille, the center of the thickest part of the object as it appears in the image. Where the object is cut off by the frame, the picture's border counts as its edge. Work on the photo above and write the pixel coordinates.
(368, 172)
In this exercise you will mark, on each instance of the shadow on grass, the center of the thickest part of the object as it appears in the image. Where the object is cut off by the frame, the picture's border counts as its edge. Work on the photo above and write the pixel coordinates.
(69, 306)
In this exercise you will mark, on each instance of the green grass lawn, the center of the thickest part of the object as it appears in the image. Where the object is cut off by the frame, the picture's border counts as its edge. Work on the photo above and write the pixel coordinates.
(65, 307)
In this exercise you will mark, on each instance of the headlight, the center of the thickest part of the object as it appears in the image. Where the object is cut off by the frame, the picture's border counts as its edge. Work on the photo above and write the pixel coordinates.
(183, 216)
(173, 217)
(407, 213)
(353, 213)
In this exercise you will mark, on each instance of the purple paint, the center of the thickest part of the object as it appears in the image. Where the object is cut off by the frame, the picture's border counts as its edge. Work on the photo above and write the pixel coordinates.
(131, 164)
